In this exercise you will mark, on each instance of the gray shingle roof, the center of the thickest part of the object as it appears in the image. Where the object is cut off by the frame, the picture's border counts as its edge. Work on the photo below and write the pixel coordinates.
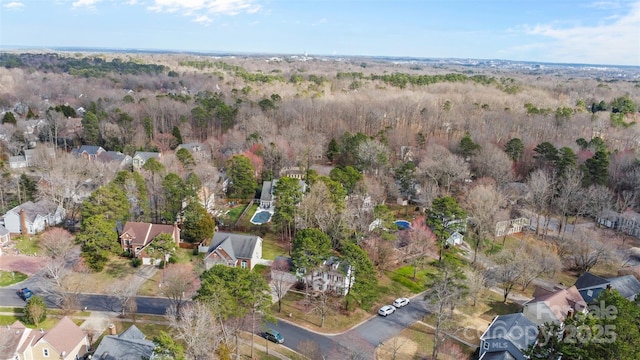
(266, 191)
(516, 328)
(588, 280)
(236, 245)
(31, 209)
(591, 286)
(126, 346)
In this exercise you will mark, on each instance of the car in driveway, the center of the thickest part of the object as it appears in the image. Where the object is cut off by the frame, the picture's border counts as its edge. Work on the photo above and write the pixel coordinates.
(386, 310)
(25, 294)
(400, 302)
(274, 336)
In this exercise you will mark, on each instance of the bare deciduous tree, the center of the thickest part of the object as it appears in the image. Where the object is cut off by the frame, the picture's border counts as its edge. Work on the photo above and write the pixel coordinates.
(196, 326)
(540, 193)
(484, 203)
(493, 162)
(124, 291)
(177, 285)
(536, 260)
(281, 279)
(507, 272)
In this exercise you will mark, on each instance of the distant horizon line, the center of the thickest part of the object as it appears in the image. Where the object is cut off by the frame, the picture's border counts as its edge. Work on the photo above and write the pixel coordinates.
(243, 53)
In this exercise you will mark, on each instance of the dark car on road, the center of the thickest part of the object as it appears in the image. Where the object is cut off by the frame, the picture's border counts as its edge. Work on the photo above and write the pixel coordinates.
(274, 336)
(25, 294)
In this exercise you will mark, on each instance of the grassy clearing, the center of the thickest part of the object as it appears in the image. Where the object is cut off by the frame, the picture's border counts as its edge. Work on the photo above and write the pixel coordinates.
(28, 245)
(234, 214)
(11, 277)
(272, 248)
(404, 277)
(117, 269)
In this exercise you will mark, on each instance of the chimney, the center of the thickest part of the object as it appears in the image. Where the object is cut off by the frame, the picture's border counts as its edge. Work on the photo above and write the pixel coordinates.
(23, 223)
(570, 313)
(112, 329)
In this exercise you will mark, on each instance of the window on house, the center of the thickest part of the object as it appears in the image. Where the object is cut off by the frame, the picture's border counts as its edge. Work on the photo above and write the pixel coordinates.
(45, 352)
(244, 264)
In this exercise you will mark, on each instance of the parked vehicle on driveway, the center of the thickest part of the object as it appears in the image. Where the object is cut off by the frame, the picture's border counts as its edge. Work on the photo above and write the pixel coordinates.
(386, 310)
(274, 336)
(25, 294)
(400, 302)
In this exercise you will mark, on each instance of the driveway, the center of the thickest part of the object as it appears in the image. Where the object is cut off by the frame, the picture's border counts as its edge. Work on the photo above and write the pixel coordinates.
(25, 264)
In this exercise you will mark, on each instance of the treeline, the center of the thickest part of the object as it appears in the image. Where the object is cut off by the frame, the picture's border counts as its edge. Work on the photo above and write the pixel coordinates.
(85, 67)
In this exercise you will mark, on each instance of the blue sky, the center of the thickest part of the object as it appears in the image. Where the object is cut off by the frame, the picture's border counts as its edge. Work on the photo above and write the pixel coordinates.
(562, 31)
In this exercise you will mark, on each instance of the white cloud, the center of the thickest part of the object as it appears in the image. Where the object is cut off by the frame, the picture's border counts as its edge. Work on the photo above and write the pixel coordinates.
(13, 5)
(195, 8)
(615, 41)
(85, 3)
(203, 19)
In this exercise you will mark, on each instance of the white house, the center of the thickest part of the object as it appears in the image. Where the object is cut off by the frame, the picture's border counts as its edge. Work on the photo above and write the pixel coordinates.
(32, 218)
(141, 157)
(334, 275)
(229, 249)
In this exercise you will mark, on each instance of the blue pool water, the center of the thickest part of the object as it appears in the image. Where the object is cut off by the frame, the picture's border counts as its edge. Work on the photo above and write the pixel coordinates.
(261, 217)
(403, 224)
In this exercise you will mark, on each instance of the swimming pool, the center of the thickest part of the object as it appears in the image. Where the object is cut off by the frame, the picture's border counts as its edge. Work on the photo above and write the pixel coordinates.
(403, 224)
(261, 217)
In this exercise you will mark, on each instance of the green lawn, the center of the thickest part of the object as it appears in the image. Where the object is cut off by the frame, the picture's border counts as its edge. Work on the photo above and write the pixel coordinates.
(234, 213)
(11, 277)
(404, 277)
(28, 245)
(272, 248)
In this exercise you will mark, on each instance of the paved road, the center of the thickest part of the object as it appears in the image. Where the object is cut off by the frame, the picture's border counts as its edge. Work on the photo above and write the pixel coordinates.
(361, 340)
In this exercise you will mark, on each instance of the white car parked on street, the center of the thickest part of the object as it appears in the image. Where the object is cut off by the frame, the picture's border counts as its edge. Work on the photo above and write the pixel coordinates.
(386, 310)
(401, 302)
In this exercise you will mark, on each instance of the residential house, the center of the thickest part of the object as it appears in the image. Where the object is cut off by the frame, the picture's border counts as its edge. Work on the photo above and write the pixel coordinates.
(590, 286)
(454, 239)
(267, 196)
(88, 152)
(12, 340)
(22, 161)
(198, 150)
(627, 222)
(229, 249)
(295, 172)
(334, 275)
(115, 157)
(131, 344)
(32, 218)
(507, 337)
(65, 341)
(4, 239)
(141, 157)
(136, 237)
(554, 305)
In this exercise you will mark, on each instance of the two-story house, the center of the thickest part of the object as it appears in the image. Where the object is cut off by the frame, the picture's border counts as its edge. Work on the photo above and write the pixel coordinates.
(554, 305)
(136, 237)
(334, 275)
(32, 218)
(65, 341)
(141, 157)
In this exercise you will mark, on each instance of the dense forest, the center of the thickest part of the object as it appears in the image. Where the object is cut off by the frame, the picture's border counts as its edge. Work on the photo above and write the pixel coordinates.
(482, 143)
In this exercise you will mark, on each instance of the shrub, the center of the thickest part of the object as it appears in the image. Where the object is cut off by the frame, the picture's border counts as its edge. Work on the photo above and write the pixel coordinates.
(135, 262)
(173, 260)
